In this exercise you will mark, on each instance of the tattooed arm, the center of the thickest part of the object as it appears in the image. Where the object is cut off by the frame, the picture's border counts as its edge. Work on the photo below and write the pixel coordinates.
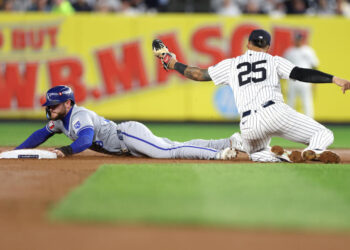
(196, 74)
(190, 72)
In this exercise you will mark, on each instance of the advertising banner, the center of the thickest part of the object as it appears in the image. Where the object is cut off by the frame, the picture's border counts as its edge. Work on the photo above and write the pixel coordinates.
(108, 61)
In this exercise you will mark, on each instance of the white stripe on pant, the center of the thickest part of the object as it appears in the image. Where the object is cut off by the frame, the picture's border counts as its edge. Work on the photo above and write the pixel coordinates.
(140, 141)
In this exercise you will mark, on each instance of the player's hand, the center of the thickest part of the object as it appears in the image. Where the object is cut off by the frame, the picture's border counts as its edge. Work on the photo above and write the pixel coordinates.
(57, 152)
(161, 51)
(344, 84)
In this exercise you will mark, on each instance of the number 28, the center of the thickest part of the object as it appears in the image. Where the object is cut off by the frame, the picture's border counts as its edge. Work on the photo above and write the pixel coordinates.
(255, 67)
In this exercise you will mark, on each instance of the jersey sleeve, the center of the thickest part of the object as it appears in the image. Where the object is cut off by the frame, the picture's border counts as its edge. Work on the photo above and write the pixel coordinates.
(53, 127)
(81, 121)
(284, 67)
(84, 140)
(220, 72)
(37, 138)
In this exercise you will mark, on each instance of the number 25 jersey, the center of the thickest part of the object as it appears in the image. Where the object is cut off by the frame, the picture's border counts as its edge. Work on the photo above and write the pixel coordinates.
(254, 78)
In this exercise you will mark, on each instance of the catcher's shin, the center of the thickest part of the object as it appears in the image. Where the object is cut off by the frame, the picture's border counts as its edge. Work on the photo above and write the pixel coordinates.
(161, 51)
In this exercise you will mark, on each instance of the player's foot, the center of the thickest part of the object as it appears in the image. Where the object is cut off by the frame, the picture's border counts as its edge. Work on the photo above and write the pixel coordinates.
(236, 142)
(226, 154)
(329, 157)
(288, 156)
(309, 155)
(325, 157)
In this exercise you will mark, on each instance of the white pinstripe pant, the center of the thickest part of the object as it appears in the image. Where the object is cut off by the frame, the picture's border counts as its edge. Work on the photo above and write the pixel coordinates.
(280, 120)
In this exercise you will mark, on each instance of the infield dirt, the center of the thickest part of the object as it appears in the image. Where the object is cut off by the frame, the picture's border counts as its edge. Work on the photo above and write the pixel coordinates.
(28, 188)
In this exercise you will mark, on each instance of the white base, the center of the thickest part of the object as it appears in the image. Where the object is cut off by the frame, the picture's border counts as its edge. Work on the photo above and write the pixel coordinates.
(28, 154)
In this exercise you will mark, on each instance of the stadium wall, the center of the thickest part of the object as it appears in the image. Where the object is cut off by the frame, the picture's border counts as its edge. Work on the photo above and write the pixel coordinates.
(108, 61)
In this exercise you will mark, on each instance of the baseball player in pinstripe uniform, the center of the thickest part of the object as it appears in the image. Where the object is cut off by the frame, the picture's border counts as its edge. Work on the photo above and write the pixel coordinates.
(89, 130)
(254, 79)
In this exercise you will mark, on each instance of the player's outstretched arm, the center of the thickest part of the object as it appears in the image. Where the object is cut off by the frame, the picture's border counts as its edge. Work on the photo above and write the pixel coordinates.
(169, 61)
(315, 76)
(193, 73)
(84, 141)
(35, 139)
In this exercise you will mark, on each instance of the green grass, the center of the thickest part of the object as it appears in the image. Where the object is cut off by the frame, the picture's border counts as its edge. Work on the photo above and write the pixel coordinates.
(283, 196)
(12, 134)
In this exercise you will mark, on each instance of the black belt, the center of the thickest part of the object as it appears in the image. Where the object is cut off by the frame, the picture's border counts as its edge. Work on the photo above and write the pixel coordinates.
(265, 105)
(120, 135)
(123, 146)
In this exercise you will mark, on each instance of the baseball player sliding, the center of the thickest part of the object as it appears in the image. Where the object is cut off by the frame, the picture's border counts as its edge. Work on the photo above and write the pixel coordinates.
(254, 79)
(89, 130)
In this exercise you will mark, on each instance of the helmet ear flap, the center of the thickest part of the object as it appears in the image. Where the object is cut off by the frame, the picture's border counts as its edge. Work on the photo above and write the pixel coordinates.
(48, 113)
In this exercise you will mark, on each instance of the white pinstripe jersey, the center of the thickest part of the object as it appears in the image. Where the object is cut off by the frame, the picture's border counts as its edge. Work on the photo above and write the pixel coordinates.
(253, 77)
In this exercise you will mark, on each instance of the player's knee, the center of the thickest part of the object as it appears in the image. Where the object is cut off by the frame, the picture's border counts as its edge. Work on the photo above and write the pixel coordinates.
(329, 135)
(326, 136)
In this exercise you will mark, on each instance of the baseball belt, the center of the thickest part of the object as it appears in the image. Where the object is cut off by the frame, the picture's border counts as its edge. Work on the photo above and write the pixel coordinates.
(265, 105)
(121, 140)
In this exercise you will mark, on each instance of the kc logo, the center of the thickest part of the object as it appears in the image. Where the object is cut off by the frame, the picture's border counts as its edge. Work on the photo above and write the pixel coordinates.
(77, 125)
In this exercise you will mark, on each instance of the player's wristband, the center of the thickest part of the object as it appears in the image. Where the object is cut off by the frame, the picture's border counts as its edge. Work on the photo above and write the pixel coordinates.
(66, 150)
(180, 67)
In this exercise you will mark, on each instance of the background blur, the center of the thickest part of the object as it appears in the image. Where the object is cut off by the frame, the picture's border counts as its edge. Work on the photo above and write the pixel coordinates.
(102, 49)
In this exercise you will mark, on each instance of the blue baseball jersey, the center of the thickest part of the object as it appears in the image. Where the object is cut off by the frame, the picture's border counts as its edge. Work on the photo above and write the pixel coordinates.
(78, 119)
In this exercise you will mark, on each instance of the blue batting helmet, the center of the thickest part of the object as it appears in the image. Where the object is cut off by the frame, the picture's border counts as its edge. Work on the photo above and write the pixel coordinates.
(59, 94)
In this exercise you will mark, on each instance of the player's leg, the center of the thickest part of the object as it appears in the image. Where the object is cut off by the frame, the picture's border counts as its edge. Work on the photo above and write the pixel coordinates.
(267, 122)
(263, 152)
(234, 141)
(141, 141)
(256, 139)
(283, 121)
(217, 144)
(303, 129)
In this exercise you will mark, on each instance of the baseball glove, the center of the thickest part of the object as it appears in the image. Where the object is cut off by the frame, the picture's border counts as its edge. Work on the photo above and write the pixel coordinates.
(161, 51)
(159, 48)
